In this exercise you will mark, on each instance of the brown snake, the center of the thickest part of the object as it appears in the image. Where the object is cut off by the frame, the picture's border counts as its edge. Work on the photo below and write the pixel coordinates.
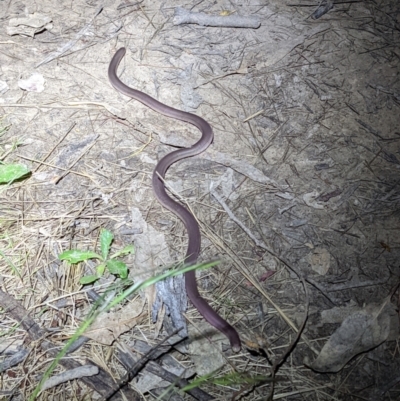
(190, 222)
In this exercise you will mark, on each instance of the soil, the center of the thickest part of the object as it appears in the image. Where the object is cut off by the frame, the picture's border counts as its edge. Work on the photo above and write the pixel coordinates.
(298, 198)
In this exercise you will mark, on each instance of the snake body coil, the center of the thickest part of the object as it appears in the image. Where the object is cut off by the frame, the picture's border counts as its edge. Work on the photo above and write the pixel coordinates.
(190, 222)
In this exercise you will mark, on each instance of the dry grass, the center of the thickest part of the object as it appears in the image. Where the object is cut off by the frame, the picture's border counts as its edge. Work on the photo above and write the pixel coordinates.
(308, 107)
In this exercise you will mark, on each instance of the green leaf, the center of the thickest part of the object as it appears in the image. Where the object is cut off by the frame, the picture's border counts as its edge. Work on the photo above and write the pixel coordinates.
(12, 172)
(76, 256)
(127, 250)
(88, 279)
(100, 269)
(106, 238)
(118, 268)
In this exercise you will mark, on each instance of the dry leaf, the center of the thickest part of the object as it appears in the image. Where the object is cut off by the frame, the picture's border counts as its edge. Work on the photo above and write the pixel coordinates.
(320, 260)
(29, 25)
(359, 332)
(109, 326)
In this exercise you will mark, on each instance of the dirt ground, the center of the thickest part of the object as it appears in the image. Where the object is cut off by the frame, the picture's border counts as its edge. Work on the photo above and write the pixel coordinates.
(298, 198)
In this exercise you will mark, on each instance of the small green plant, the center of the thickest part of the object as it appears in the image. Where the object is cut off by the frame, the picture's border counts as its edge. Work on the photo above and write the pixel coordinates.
(12, 172)
(113, 265)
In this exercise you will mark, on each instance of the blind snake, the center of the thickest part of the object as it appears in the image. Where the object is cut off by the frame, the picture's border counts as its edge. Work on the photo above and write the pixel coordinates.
(160, 192)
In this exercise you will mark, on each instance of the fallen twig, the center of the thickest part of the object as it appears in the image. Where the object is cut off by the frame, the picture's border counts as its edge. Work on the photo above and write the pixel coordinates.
(183, 16)
(102, 383)
(77, 373)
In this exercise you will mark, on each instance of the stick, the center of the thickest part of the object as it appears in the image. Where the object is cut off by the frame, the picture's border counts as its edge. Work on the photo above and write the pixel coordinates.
(183, 16)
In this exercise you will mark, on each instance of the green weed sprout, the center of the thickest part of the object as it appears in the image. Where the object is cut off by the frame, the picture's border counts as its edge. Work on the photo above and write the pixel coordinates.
(111, 263)
(11, 172)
